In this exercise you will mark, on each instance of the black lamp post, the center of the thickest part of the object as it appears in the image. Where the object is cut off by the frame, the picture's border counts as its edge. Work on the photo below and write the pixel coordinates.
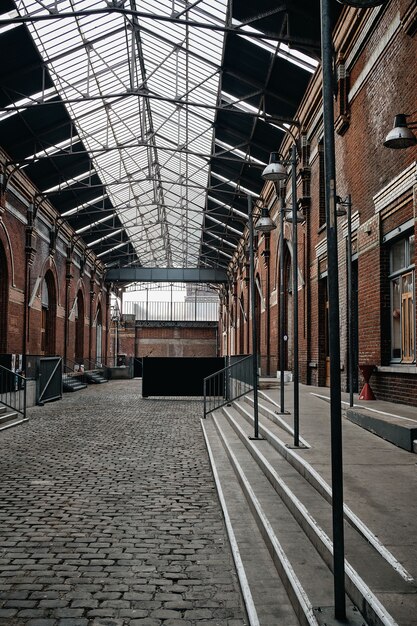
(333, 289)
(276, 171)
(264, 225)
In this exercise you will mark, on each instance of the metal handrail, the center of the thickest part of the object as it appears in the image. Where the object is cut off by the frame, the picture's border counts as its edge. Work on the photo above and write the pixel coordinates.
(228, 384)
(13, 390)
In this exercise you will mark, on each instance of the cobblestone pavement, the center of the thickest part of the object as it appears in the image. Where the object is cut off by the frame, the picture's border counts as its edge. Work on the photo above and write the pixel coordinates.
(109, 516)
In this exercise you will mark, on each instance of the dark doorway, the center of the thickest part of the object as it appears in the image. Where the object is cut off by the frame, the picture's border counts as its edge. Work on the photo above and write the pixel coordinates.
(355, 327)
(79, 328)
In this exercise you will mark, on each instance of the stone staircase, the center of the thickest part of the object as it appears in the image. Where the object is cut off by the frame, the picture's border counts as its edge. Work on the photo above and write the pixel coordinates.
(10, 418)
(277, 509)
(76, 382)
(73, 383)
(95, 377)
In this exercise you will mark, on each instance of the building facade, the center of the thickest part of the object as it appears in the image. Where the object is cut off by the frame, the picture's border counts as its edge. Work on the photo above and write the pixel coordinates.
(53, 299)
(375, 77)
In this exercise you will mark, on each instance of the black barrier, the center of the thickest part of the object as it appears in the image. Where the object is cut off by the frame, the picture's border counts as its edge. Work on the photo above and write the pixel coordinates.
(177, 376)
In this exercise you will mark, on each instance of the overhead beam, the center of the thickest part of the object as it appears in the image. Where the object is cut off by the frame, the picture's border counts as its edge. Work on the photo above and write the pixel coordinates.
(165, 275)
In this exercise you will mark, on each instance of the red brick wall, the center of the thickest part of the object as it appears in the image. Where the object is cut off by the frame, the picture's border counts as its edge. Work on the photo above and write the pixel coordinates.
(176, 341)
(34, 254)
(364, 167)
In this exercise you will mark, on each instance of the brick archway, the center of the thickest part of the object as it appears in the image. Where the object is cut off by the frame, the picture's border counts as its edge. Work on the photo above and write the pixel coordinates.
(4, 286)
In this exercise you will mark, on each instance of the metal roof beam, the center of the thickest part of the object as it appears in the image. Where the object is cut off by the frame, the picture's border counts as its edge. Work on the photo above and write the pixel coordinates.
(165, 275)
(304, 42)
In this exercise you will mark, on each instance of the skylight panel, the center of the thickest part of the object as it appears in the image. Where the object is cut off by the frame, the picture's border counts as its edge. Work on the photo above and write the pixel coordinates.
(100, 66)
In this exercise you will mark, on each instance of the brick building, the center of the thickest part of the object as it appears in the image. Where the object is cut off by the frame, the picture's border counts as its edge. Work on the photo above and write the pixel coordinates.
(53, 299)
(375, 61)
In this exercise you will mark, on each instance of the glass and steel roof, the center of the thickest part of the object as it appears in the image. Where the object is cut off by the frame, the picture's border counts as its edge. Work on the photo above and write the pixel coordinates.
(145, 123)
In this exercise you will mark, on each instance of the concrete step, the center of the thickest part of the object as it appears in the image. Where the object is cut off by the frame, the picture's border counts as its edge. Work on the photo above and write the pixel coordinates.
(72, 383)
(375, 582)
(10, 418)
(266, 600)
(398, 430)
(95, 378)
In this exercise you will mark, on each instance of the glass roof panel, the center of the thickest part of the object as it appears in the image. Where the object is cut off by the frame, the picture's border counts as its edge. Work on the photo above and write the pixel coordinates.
(132, 83)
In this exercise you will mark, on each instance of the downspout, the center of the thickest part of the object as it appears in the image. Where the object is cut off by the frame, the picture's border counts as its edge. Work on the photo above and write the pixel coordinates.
(90, 335)
(29, 258)
(267, 305)
(68, 277)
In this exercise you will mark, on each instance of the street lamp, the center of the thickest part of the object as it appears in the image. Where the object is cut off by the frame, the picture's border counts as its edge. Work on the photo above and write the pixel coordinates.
(276, 171)
(327, 57)
(401, 135)
(264, 225)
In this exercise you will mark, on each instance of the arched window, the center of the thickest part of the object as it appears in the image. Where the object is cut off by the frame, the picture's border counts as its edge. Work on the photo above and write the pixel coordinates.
(4, 287)
(241, 325)
(99, 335)
(48, 300)
(403, 311)
(79, 328)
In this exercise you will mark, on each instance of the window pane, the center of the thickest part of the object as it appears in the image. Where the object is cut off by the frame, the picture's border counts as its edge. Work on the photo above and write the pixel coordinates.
(407, 283)
(396, 318)
(398, 256)
(412, 250)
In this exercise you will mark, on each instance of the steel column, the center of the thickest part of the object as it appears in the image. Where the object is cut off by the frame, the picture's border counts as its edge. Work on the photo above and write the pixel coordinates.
(281, 306)
(295, 296)
(333, 291)
(254, 329)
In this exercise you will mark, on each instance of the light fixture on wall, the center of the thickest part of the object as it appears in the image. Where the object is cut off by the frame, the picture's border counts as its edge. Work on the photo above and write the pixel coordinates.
(401, 136)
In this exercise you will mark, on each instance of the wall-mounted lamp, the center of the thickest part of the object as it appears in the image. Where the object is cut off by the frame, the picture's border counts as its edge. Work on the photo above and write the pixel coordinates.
(401, 136)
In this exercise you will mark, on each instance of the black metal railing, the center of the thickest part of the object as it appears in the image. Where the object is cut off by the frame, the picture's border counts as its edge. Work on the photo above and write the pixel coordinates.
(228, 384)
(13, 390)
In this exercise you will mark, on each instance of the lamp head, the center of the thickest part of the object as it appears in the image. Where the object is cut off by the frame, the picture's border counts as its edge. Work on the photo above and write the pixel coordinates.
(400, 136)
(299, 218)
(275, 170)
(264, 224)
(340, 207)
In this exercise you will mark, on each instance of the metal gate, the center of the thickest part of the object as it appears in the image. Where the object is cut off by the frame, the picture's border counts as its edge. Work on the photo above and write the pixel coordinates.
(49, 379)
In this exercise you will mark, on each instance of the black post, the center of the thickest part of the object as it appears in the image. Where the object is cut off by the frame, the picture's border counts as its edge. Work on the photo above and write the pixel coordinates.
(281, 304)
(295, 295)
(349, 296)
(334, 332)
(254, 330)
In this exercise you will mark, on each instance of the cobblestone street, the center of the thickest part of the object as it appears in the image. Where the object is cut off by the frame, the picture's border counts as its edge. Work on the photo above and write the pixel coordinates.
(109, 516)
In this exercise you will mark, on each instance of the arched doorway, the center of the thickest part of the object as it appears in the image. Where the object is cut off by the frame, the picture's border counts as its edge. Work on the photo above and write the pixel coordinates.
(48, 300)
(4, 287)
(323, 328)
(241, 325)
(79, 328)
(99, 335)
(257, 350)
(288, 309)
